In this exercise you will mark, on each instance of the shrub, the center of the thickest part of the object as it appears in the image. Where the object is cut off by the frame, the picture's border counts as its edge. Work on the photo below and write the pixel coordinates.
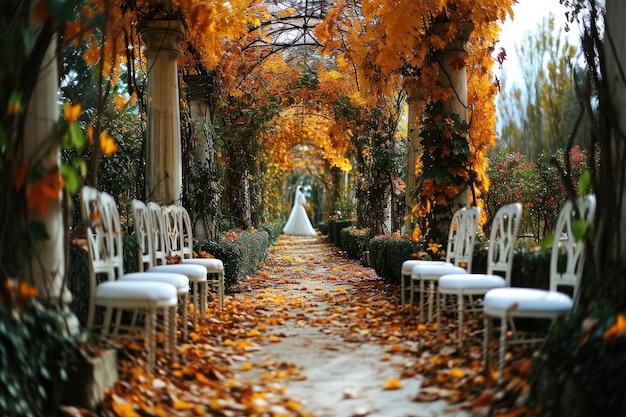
(36, 359)
(273, 230)
(388, 253)
(337, 227)
(229, 253)
(581, 369)
(354, 242)
(241, 251)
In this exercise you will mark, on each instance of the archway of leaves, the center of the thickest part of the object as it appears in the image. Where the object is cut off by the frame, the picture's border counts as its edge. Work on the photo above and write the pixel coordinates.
(261, 52)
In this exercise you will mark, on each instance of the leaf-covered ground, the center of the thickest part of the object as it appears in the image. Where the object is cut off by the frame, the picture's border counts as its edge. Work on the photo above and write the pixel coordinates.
(299, 338)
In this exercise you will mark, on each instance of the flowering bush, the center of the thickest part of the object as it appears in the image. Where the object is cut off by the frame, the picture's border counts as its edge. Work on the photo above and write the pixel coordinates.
(538, 186)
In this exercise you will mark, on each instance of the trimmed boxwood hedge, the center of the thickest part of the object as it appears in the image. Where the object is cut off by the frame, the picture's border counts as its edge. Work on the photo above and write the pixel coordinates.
(354, 242)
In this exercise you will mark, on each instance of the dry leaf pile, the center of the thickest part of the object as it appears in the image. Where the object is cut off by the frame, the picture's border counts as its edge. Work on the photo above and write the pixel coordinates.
(307, 283)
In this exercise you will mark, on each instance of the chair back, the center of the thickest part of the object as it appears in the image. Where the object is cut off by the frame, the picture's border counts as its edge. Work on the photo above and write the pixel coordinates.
(113, 224)
(159, 234)
(453, 234)
(99, 243)
(466, 238)
(173, 230)
(144, 233)
(502, 240)
(569, 272)
(187, 232)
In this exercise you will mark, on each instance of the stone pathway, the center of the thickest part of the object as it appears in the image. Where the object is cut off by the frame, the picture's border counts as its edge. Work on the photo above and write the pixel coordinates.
(314, 334)
(332, 333)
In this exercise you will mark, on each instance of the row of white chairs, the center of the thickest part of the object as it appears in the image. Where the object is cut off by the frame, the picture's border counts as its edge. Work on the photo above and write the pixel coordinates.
(159, 288)
(491, 293)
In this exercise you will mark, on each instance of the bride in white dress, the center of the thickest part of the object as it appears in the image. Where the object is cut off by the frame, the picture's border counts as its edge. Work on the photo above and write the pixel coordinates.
(298, 222)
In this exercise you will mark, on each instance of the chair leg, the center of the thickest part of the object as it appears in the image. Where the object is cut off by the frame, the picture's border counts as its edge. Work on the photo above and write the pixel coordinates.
(195, 302)
(487, 325)
(150, 338)
(172, 330)
(503, 331)
(108, 313)
(461, 307)
(438, 301)
(204, 293)
(402, 289)
(412, 296)
(166, 330)
(222, 290)
(431, 293)
(184, 301)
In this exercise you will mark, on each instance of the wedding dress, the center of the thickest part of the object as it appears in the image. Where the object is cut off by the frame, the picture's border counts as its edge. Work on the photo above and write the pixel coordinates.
(298, 222)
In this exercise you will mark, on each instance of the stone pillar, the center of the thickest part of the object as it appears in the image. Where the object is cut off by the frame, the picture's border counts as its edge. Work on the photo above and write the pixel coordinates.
(417, 103)
(451, 74)
(46, 263)
(163, 144)
(207, 217)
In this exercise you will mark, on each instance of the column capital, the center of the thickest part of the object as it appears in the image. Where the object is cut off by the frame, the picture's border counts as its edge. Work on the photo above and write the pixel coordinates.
(161, 36)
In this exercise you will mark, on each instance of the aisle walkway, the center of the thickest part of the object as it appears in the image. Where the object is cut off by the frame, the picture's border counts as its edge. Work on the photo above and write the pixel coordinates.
(338, 335)
(314, 334)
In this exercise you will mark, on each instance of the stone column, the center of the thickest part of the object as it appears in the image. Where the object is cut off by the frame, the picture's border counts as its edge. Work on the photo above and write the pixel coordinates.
(417, 103)
(206, 225)
(163, 146)
(46, 263)
(451, 74)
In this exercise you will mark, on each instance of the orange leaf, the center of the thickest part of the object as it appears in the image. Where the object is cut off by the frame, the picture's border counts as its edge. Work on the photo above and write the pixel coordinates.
(107, 144)
(39, 194)
(392, 384)
(456, 373)
(71, 112)
(618, 328)
(246, 366)
(181, 405)
(19, 174)
(27, 291)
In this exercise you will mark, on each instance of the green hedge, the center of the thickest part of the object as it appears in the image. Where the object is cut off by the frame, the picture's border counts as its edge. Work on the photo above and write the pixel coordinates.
(36, 361)
(241, 251)
(334, 229)
(274, 230)
(354, 242)
(388, 253)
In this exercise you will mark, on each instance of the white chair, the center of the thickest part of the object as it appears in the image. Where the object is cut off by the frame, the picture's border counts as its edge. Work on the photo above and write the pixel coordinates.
(214, 267)
(407, 266)
(502, 239)
(149, 234)
(112, 294)
(507, 303)
(178, 277)
(462, 258)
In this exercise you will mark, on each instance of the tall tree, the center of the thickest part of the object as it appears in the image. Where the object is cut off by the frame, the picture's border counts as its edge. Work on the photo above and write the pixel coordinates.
(532, 113)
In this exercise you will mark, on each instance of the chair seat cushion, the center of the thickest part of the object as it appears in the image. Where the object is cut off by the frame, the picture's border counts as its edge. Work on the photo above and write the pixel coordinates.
(469, 283)
(433, 272)
(195, 273)
(180, 281)
(407, 266)
(526, 300)
(137, 291)
(211, 264)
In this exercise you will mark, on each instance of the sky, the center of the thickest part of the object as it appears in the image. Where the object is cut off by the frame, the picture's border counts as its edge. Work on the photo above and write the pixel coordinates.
(528, 16)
